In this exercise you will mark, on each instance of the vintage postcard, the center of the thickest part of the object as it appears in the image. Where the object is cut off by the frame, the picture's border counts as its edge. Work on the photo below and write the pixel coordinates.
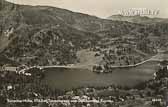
(83, 53)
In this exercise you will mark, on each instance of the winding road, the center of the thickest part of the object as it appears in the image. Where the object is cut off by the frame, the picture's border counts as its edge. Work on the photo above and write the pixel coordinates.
(154, 58)
(158, 57)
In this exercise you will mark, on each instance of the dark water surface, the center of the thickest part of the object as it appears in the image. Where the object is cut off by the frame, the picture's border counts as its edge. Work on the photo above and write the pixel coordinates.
(61, 78)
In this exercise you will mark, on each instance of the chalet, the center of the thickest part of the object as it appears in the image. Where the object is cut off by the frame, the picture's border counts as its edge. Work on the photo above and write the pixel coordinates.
(158, 101)
(9, 68)
(9, 87)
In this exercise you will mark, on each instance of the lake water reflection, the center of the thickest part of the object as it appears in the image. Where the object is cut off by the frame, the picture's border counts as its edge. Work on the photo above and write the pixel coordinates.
(73, 78)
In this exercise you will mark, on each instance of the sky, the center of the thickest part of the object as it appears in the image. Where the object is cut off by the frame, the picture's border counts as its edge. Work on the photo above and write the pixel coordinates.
(102, 8)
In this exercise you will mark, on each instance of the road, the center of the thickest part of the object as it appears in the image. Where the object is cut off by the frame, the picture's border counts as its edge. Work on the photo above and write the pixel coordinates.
(154, 58)
(126, 66)
(158, 57)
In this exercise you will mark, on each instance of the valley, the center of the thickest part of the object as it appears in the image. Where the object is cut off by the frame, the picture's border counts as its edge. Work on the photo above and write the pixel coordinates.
(53, 53)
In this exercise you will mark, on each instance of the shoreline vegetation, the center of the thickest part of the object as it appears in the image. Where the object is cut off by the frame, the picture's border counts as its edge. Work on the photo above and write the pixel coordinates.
(16, 86)
(41, 35)
(94, 67)
(102, 68)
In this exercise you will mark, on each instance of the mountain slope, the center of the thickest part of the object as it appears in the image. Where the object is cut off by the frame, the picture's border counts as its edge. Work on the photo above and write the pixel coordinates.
(42, 35)
(137, 19)
(32, 35)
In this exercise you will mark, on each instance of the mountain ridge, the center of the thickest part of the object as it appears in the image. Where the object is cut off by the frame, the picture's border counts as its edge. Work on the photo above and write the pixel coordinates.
(43, 35)
(138, 19)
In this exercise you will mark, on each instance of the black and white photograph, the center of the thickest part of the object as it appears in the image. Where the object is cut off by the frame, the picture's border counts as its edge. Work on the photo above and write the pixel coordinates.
(83, 53)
